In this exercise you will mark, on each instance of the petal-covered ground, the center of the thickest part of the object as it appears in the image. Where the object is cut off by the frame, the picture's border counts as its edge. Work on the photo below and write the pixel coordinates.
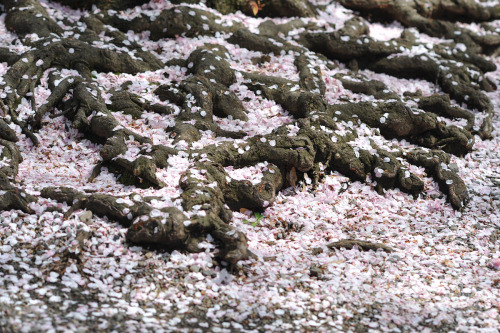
(79, 274)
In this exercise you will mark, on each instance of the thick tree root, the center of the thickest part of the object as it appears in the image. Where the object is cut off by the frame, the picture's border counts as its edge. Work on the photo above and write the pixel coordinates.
(209, 194)
(204, 95)
(272, 8)
(436, 164)
(459, 73)
(168, 227)
(433, 17)
(181, 20)
(265, 44)
(133, 105)
(12, 197)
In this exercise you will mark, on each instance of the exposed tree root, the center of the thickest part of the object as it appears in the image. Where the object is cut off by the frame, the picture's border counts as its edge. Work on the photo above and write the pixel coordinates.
(435, 18)
(209, 194)
(361, 245)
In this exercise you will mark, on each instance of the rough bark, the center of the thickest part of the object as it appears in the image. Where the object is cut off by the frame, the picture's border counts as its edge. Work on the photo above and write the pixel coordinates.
(208, 194)
(435, 18)
(271, 8)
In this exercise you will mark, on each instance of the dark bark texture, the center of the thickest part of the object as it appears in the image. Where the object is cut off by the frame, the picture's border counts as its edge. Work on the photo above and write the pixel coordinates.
(208, 201)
